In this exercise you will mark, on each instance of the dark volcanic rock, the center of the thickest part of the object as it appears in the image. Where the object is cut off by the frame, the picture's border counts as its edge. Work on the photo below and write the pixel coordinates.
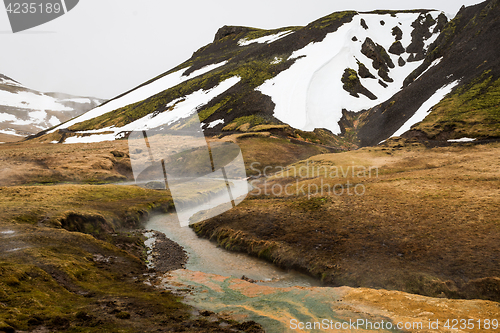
(382, 83)
(364, 72)
(228, 30)
(416, 57)
(420, 33)
(398, 33)
(363, 24)
(378, 54)
(466, 46)
(384, 75)
(441, 22)
(397, 48)
(353, 85)
(167, 254)
(401, 62)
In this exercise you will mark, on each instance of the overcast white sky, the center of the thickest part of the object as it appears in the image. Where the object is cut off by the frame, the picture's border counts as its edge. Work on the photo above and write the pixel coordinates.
(104, 47)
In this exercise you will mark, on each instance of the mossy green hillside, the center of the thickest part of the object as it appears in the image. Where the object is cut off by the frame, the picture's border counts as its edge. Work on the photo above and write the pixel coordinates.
(472, 111)
(326, 21)
(105, 207)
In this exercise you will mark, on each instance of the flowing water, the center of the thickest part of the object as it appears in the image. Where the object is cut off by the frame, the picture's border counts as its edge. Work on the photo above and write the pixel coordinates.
(205, 256)
(213, 278)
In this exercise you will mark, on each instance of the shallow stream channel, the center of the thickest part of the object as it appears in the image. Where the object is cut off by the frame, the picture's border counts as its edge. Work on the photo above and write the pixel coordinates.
(205, 256)
(280, 300)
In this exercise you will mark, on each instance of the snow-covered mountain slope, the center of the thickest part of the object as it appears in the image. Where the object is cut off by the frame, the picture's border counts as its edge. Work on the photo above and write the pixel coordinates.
(346, 72)
(455, 93)
(310, 94)
(24, 111)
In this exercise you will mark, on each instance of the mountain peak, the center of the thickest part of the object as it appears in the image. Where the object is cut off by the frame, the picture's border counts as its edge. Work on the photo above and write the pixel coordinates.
(367, 73)
(228, 30)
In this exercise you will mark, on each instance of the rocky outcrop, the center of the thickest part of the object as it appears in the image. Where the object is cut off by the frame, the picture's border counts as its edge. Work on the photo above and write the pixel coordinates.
(397, 32)
(378, 54)
(418, 36)
(364, 72)
(397, 48)
(401, 62)
(353, 85)
(465, 49)
(363, 24)
(228, 30)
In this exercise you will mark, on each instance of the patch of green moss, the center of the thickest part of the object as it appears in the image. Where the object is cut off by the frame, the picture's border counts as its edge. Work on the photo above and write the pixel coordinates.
(332, 18)
(257, 33)
(350, 79)
(253, 120)
(472, 111)
(253, 72)
(311, 204)
(205, 113)
(260, 128)
(446, 35)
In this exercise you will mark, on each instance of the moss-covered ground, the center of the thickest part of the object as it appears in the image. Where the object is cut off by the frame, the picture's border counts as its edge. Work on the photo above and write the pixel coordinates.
(472, 111)
(71, 256)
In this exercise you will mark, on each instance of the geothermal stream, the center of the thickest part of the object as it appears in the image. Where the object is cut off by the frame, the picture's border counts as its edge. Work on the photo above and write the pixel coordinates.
(206, 257)
(213, 279)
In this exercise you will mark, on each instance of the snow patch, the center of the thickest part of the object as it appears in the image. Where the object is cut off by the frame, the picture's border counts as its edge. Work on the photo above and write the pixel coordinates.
(215, 123)
(9, 82)
(462, 140)
(7, 232)
(425, 108)
(434, 63)
(81, 100)
(53, 121)
(7, 117)
(310, 93)
(276, 61)
(139, 94)
(206, 69)
(266, 39)
(182, 108)
(9, 132)
(91, 138)
(31, 100)
(38, 116)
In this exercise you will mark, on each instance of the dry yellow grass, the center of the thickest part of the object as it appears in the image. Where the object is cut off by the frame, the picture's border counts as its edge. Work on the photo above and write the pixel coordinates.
(28, 162)
(429, 223)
